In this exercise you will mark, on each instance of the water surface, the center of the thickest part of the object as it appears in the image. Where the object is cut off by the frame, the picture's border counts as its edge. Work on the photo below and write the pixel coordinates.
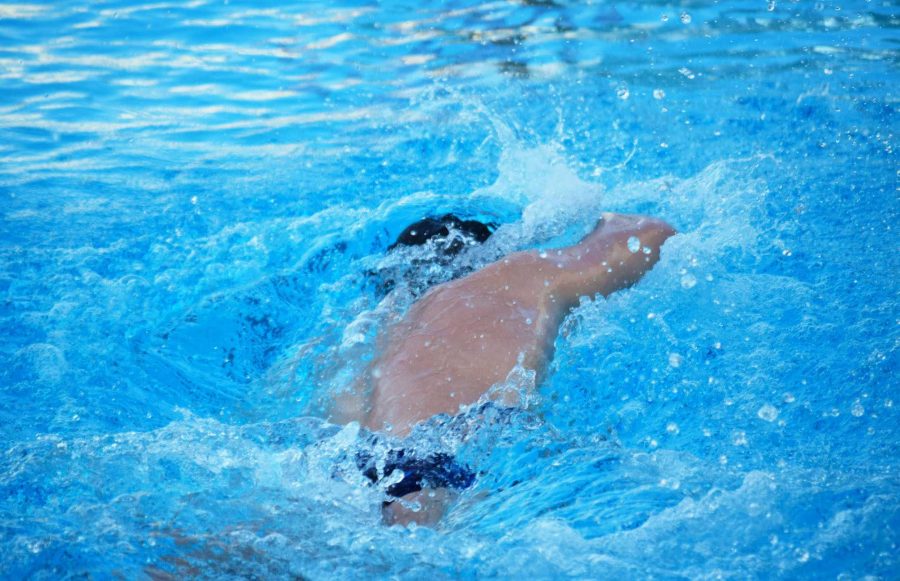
(191, 195)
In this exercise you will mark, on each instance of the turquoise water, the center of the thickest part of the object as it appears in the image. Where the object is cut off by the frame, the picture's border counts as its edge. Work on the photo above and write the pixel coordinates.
(191, 197)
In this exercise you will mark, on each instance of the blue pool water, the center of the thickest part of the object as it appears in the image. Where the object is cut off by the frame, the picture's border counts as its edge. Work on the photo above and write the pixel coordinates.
(192, 193)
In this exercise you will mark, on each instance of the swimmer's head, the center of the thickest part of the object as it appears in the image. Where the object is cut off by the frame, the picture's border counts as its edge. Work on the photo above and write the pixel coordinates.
(448, 233)
(440, 239)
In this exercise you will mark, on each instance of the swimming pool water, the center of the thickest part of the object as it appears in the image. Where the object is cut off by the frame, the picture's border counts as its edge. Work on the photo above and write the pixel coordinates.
(191, 195)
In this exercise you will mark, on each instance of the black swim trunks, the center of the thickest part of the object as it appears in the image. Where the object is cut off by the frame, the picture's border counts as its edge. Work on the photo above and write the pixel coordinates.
(432, 469)
(436, 470)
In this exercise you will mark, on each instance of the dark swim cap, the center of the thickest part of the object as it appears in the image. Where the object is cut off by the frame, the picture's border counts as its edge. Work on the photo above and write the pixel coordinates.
(419, 233)
(447, 236)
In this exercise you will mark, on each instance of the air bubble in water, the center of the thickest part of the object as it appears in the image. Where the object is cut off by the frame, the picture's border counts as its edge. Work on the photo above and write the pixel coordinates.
(675, 359)
(685, 18)
(658, 94)
(739, 438)
(857, 409)
(688, 281)
(646, 250)
(789, 398)
(672, 428)
(622, 93)
(634, 243)
(771, 6)
(767, 412)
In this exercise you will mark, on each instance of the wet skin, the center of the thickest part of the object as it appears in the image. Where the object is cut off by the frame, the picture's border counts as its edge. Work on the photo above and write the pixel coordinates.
(466, 335)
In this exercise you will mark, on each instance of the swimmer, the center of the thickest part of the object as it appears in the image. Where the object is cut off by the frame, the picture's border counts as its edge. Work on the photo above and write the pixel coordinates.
(465, 336)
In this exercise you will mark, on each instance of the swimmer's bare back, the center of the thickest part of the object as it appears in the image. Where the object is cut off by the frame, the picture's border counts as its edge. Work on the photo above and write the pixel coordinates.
(466, 335)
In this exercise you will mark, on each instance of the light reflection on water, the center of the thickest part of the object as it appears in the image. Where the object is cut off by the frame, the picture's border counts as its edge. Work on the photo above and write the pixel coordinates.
(192, 194)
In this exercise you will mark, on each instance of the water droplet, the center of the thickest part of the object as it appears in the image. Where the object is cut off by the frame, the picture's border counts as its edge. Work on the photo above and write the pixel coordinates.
(771, 6)
(646, 250)
(857, 410)
(767, 412)
(543, 254)
(888, 403)
(658, 94)
(672, 428)
(664, 17)
(688, 281)
(622, 93)
(827, 71)
(634, 244)
(723, 459)
(685, 18)
(802, 555)
(528, 321)
(675, 359)
(789, 398)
